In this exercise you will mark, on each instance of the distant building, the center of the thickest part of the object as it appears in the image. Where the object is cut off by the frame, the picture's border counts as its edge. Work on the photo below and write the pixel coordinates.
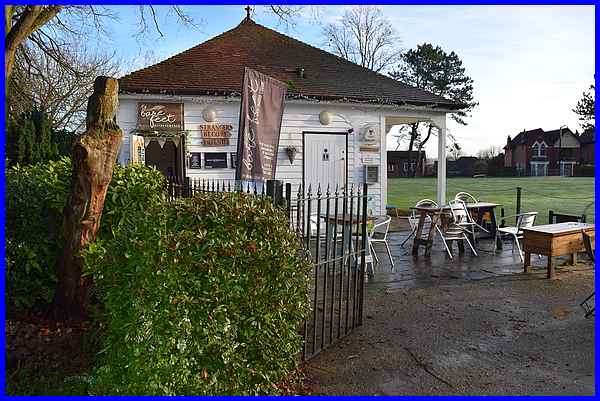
(399, 166)
(587, 141)
(464, 166)
(540, 153)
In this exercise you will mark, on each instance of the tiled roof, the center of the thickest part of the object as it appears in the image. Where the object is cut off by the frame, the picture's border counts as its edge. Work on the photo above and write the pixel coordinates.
(216, 67)
(529, 137)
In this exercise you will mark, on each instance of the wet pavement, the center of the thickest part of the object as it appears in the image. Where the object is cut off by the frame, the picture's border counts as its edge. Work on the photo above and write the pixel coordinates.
(468, 325)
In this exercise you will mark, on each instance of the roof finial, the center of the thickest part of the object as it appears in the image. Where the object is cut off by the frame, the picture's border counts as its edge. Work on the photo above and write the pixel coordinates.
(248, 9)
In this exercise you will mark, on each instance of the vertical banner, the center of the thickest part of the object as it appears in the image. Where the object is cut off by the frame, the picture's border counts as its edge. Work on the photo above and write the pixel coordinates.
(261, 112)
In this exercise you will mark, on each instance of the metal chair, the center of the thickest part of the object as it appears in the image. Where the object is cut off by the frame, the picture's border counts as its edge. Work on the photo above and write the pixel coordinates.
(453, 232)
(588, 304)
(414, 216)
(465, 197)
(524, 220)
(462, 218)
(378, 234)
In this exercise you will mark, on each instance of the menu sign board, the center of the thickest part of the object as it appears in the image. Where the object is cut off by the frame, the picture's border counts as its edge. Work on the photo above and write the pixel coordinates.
(215, 134)
(215, 160)
(195, 160)
(160, 116)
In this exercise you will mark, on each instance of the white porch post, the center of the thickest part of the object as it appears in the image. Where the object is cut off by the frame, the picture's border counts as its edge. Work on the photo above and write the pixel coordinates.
(441, 167)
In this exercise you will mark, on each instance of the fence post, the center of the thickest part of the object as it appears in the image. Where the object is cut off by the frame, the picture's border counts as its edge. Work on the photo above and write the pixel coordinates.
(363, 264)
(518, 204)
(288, 201)
(188, 189)
(275, 191)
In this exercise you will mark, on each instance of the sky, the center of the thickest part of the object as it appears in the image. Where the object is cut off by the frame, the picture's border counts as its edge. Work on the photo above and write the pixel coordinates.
(530, 64)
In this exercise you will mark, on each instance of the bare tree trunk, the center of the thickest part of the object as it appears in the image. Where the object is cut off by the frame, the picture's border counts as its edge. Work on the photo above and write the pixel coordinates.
(420, 148)
(94, 156)
(413, 136)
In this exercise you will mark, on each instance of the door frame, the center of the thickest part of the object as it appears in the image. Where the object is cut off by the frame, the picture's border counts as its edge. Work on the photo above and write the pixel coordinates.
(304, 133)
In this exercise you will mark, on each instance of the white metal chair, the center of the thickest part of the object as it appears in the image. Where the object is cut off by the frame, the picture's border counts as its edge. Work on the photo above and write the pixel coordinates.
(462, 218)
(413, 218)
(453, 232)
(524, 220)
(465, 197)
(378, 234)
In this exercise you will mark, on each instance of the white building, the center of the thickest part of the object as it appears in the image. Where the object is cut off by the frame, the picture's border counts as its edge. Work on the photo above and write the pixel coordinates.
(336, 114)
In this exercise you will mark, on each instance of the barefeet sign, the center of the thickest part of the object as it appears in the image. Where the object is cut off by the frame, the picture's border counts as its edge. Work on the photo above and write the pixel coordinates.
(260, 124)
(160, 116)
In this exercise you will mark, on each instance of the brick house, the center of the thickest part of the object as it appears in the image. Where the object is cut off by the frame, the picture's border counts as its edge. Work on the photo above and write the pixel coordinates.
(540, 153)
(398, 164)
(587, 140)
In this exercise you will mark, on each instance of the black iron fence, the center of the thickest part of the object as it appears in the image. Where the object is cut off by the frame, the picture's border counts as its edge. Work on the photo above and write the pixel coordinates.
(332, 225)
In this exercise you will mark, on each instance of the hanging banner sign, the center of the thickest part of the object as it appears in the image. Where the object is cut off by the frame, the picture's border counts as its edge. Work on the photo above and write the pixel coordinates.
(261, 112)
(160, 116)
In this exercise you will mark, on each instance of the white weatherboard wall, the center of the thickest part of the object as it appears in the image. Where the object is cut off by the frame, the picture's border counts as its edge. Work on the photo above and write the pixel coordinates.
(298, 117)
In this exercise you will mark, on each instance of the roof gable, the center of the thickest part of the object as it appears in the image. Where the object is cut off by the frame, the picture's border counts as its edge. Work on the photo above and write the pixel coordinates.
(216, 67)
(538, 135)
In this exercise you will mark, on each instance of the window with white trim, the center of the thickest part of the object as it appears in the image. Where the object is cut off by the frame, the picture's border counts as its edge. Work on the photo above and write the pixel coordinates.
(539, 149)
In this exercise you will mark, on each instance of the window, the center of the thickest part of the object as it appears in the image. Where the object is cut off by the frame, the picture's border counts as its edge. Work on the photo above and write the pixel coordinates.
(215, 160)
(233, 157)
(539, 149)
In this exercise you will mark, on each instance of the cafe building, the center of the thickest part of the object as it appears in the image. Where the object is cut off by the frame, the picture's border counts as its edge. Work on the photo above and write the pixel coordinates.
(182, 114)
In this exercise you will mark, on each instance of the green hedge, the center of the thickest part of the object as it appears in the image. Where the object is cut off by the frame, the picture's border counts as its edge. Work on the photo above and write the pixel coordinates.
(201, 296)
(34, 200)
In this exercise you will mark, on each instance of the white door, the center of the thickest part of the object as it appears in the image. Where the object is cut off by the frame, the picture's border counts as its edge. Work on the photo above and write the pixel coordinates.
(324, 161)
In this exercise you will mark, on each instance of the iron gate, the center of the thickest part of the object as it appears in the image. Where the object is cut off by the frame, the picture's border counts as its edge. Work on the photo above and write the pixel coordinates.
(332, 225)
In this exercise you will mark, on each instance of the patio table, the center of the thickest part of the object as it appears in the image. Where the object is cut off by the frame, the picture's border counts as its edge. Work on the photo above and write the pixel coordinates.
(554, 240)
(438, 216)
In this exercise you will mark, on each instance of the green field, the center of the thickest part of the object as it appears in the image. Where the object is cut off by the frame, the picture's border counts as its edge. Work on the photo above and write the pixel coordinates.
(540, 194)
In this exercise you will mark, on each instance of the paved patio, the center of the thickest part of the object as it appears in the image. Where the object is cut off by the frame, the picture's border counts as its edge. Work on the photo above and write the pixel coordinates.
(468, 325)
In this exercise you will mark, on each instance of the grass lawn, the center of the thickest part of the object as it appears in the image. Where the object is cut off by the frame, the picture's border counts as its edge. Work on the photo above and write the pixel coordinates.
(540, 194)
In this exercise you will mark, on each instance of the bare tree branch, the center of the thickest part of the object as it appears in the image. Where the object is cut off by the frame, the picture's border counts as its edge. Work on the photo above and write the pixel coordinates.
(364, 36)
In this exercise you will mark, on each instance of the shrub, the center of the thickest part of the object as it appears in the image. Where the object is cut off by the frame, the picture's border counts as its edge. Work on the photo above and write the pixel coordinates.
(34, 199)
(200, 296)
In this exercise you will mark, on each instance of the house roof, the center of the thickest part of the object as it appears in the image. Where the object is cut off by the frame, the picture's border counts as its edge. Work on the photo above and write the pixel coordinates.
(588, 136)
(216, 67)
(531, 136)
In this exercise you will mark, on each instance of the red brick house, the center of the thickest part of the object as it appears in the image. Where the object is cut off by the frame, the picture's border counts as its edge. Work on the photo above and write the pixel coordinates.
(587, 140)
(540, 153)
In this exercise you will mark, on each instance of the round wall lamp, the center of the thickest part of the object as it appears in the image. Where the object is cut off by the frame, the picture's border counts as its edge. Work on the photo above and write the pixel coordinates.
(209, 114)
(325, 117)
